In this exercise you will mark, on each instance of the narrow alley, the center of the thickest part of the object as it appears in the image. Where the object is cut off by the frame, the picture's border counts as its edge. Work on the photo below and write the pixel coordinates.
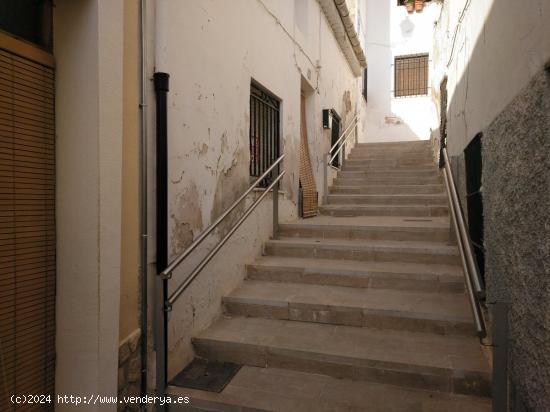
(275, 205)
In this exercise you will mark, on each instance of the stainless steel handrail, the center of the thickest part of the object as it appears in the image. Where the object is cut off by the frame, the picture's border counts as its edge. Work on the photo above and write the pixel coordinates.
(327, 157)
(175, 295)
(471, 263)
(353, 121)
(166, 273)
(477, 313)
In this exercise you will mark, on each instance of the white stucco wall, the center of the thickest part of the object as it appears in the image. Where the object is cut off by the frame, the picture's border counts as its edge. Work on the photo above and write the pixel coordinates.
(212, 50)
(498, 47)
(88, 52)
(391, 32)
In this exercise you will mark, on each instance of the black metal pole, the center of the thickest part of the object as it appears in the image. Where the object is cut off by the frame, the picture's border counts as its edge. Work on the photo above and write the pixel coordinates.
(161, 319)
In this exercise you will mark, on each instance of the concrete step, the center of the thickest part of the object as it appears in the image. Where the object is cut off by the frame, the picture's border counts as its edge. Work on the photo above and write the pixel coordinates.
(391, 190)
(390, 161)
(420, 277)
(345, 199)
(384, 153)
(378, 165)
(369, 228)
(365, 180)
(451, 364)
(440, 313)
(404, 144)
(393, 172)
(365, 250)
(256, 389)
(412, 211)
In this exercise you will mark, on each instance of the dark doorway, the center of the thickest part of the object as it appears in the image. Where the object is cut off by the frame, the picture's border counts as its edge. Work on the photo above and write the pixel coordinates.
(335, 134)
(473, 160)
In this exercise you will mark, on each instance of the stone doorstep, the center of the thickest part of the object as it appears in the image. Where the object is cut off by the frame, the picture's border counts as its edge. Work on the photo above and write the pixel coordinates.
(380, 251)
(384, 210)
(389, 357)
(428, 200)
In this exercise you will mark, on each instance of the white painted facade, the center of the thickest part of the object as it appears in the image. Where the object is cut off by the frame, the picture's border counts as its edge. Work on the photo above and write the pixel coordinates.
(212, 51)
(391, 32)
(489, 50)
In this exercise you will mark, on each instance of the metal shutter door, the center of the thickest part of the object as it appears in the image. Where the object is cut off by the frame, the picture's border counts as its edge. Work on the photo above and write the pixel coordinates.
(27, 230)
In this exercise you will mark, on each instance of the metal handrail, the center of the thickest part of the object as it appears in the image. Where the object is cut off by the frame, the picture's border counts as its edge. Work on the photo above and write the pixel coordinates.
(472, 265)
(166, 274)
(353, 121)
(471, 272)
(345, 139)
(477, 313)
(327, 157)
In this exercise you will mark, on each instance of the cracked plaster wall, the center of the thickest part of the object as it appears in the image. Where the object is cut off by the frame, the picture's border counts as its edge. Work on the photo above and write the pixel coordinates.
(212, 50)
(497, 86)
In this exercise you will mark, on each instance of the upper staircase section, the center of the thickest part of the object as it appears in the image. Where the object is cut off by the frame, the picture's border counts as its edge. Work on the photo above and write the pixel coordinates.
(388, 179)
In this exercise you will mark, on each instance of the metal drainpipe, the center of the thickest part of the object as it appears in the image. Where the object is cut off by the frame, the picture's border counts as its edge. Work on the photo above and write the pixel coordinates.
(161, 285)
(143, 198)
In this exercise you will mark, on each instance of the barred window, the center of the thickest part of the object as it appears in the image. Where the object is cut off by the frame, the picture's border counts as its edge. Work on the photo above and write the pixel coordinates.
(411, 75)
(264, 131)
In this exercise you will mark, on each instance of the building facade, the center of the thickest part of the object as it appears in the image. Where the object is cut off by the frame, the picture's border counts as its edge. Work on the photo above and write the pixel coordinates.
(491, 90)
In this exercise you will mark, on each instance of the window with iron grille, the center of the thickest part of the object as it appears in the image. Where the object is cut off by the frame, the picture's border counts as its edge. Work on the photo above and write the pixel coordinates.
(411, 75)
(264, 131)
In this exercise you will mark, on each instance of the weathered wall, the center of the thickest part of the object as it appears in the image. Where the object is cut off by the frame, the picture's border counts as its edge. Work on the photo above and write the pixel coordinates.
(493, 53)
(498, 48)
(212, 50)
(88, 52)
(516, 182)
(391, 32)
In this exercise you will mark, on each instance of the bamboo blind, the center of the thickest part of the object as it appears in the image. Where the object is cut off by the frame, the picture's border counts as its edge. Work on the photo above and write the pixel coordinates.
(309, 190)
(27, 230)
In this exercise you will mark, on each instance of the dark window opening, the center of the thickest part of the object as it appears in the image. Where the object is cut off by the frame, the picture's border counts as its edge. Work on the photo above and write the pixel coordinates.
(411, 75)
(264, 131)
(30, 20)
(474, 193)
(335, 134)
(402, 2)
(365, 83)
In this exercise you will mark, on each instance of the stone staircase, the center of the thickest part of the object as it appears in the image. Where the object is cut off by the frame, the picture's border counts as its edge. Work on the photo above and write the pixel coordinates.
(361, 308)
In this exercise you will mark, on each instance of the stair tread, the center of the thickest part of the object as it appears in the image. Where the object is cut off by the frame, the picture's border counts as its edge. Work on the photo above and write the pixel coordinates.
(422, 270)
(433, 306)
(357, 244)
(269, 389)
(348, 345)
(408, 195)
(373, 222)
(377, 206)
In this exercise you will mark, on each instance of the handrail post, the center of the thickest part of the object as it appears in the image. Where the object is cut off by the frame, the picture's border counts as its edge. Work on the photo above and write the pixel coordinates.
(276, 207)
(326, 160)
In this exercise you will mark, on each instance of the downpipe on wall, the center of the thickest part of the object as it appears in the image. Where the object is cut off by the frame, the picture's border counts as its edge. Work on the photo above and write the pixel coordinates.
(161, 285)
(143, 199)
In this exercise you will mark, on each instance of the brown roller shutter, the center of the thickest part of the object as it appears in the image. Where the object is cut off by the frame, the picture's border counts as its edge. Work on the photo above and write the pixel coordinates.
(27, 230)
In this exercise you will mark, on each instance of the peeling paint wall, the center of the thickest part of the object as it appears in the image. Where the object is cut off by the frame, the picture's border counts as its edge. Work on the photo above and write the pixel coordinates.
(212, 50)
